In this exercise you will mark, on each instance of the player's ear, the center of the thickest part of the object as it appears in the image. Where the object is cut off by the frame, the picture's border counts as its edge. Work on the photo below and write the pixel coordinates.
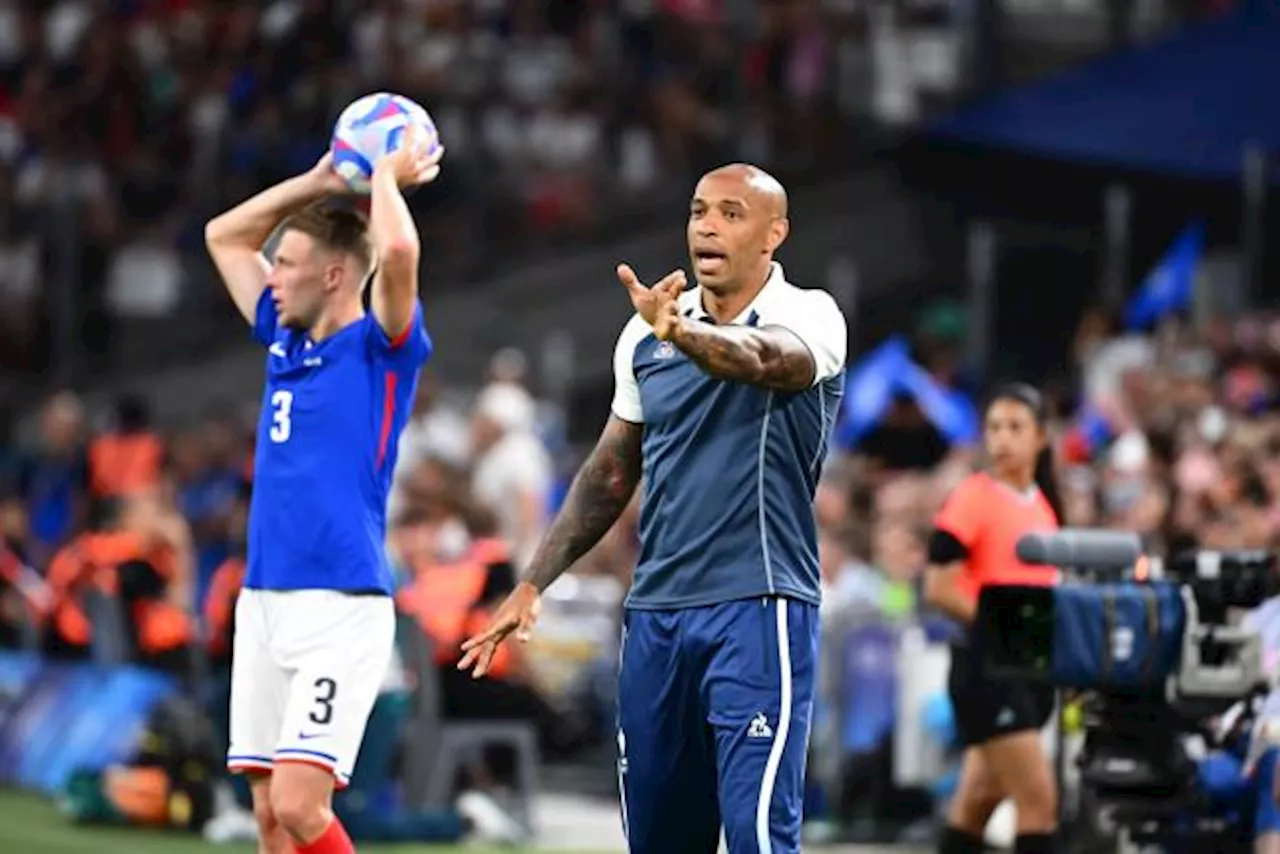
(778, 231)
(334, 274)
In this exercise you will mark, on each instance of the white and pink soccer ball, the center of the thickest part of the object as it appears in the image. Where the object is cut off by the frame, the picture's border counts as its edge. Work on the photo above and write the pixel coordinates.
(372, 127)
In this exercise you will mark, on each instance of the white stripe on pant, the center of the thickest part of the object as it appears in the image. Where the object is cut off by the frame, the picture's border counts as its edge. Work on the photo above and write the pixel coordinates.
(763, 840)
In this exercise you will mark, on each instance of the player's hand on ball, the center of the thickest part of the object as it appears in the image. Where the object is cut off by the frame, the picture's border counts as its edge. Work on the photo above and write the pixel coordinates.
(328, 181)
(414, 162)
(659, 304)
(517, 615)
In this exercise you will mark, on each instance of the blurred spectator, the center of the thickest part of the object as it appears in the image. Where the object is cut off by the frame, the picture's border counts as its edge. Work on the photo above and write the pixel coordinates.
(434, 430)
(126, 458)
(53, 476)
(20, 594)
(206, 473)
(509, 365)
(905, 440)
(848, 583)
(125, 583)
(458, 572)
(512, 474)
(10, 459)
(219, 605)
(20, 273)
(899, 554)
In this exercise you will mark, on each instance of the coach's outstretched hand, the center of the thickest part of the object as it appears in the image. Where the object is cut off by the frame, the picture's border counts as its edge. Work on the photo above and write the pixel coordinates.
(517, 614)
(658, 305)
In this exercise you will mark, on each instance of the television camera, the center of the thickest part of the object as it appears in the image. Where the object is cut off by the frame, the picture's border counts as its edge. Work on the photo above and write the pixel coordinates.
(1167, 678)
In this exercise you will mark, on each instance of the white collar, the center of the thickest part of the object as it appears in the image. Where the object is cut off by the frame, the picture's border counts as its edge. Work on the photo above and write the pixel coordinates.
(777, 279)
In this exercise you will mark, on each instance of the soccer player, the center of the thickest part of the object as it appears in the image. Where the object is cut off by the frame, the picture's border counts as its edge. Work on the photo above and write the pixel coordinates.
(973, 545)
(725, 397)
(314, 626)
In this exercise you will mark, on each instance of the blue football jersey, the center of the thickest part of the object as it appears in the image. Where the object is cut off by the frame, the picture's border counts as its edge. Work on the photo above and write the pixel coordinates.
(332, 412)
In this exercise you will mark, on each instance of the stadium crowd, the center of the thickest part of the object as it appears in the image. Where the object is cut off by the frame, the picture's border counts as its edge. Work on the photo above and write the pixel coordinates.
(1170, 434)
(560, 117)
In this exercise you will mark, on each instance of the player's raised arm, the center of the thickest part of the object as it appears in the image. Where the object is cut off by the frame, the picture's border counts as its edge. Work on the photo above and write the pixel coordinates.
(235, 238)
(395, 236)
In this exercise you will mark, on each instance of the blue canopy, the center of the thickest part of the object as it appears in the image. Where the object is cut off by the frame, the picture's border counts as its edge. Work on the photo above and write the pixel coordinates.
(1189, 104)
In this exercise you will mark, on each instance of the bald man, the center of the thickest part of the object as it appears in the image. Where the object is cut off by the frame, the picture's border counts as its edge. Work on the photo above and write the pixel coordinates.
(725, 395)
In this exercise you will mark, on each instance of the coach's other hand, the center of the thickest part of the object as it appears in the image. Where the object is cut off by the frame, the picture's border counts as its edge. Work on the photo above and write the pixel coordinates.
(517, 614)
(658, 305)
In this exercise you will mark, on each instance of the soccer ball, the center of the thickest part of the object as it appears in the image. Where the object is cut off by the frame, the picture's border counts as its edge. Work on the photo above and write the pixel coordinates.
(371, 127)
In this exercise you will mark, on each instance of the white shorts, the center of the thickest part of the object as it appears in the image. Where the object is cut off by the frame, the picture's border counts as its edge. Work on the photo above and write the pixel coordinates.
(306, 669)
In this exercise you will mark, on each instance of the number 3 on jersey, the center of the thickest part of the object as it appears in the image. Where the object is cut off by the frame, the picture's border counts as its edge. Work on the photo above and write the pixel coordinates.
(281, 416)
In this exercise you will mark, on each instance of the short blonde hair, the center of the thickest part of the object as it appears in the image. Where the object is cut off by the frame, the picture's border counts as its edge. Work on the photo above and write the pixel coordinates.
(336, 228)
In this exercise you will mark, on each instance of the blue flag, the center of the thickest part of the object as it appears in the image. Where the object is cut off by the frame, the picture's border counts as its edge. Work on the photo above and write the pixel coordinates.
(1089, 433)
(1170, 286)
(947, 409)
(870, 388)
(887, 372)
(1093, 427)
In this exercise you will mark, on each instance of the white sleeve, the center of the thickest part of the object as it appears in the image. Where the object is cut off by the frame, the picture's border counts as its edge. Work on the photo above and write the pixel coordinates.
(816, 320)
(626, 391)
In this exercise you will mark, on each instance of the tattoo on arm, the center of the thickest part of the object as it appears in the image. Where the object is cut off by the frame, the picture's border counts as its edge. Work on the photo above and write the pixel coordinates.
(771, 357)
(600, 492)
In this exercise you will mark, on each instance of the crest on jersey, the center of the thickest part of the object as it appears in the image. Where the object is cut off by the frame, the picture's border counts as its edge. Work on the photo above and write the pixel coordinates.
(664, 350)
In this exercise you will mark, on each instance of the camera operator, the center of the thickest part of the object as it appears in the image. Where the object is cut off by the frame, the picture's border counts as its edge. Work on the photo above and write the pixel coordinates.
(973, 544)
(1265, 747)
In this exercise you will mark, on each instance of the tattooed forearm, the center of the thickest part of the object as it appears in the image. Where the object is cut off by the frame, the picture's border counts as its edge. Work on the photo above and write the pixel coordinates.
(771, 357)
(600, 492)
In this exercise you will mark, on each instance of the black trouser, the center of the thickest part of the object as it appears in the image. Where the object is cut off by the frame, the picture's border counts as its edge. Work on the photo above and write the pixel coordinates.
(986, 708)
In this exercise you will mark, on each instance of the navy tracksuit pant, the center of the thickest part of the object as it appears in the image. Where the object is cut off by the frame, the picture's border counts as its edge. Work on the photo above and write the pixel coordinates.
(715, 705)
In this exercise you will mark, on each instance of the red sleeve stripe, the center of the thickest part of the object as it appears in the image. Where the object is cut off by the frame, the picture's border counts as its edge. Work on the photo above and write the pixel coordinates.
(398, 341)
(388, 415)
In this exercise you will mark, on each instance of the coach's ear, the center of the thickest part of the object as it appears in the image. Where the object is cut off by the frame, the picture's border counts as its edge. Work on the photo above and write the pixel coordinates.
(778, 231)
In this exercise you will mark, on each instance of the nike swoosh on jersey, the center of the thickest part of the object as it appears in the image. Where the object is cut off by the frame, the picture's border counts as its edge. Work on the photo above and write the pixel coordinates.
(307, 736)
